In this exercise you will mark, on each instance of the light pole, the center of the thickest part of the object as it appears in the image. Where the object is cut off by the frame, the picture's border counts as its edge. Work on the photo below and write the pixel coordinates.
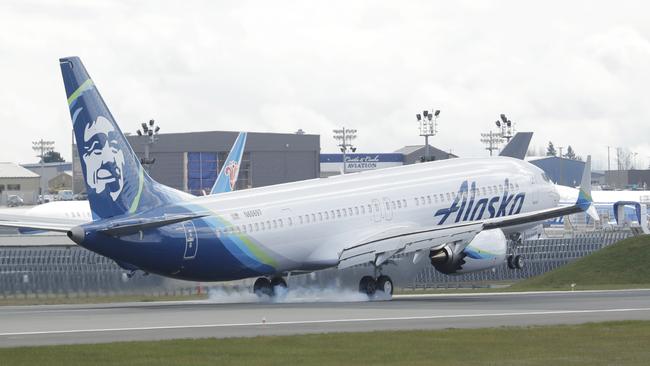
(491, 140)
(345, 136)
(428, 122)
(42, 147)
(506, 127)
(151, 132)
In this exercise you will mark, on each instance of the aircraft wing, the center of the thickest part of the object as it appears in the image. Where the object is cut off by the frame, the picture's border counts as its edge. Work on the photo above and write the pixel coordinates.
(401, 240)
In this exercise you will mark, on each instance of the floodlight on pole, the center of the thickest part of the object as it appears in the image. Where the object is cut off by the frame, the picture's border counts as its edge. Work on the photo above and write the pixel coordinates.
(506, 127)
(491, 140)
(428, 124)
(150, 131)
(42, 147)
(344, 136)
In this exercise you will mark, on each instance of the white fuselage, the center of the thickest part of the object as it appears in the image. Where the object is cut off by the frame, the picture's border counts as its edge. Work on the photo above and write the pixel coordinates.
(307, 224)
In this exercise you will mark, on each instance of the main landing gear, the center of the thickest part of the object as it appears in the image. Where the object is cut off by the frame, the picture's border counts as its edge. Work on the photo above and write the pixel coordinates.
(369, 285)
(265, 287)
(515, 261)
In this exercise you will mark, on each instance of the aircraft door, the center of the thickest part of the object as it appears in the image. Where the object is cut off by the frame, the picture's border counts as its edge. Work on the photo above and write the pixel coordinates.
(376, 210)
(386, 209)
(191, 240)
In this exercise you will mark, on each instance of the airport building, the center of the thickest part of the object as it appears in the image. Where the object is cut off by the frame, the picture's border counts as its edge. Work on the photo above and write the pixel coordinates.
(191, 161)
(18, 181)
(332, 164)
(56, 176)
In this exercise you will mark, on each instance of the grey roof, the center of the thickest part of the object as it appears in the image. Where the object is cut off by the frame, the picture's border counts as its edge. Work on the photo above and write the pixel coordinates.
(11, 170)
(410, 149)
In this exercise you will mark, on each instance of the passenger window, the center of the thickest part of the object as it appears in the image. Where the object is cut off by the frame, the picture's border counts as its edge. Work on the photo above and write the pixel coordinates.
(429, 199)
(350, 211)
(320, 216)
(387, 205)
(327, 217)
(280, 221)
(307, 219)
(369, 209)
(338, 213)
(417, 202)
(404, 202)
(435, 198)
(448, 197)
(313, 217)
(399, 204)
(393, 204)
(345, 213)
(250, 227)
(275, 224)
(290, 221)
(363, 210)
(356, 210)
(300, 220)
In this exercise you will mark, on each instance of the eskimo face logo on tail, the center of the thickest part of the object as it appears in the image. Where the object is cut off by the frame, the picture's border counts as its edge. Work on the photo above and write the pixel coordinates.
(468, 206)
(103, 158)
(232, 170)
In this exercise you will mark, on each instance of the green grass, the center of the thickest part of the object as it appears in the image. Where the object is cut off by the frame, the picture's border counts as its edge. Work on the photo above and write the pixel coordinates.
(611, 343)
(621, 265)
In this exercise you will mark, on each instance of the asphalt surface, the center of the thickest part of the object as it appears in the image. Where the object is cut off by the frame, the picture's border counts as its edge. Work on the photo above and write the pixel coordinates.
(69, 324)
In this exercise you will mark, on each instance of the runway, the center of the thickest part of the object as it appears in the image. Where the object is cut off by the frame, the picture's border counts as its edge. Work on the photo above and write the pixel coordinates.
(70, 324)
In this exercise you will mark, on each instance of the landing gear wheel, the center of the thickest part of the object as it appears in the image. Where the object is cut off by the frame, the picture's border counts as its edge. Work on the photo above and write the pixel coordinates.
(385, 284)
(510, 264)
(367, 285)
(262, 287)
(518, 262)
(278, 282)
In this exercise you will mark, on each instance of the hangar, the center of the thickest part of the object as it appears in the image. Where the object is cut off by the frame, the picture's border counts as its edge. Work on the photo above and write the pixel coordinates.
(190, 161)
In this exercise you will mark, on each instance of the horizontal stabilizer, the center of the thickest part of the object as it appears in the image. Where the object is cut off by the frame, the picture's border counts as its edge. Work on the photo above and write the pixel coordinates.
(36, 225)
(128, 227)
(518, 146)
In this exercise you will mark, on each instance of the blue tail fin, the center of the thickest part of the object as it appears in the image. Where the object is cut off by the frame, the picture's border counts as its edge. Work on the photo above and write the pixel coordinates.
(115, 181)
(230, 171)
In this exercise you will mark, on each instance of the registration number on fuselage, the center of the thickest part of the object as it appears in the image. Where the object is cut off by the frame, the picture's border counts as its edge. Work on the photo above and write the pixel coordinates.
(253, 213)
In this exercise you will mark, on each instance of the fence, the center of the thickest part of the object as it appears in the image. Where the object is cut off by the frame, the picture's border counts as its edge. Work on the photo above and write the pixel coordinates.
(68, 270)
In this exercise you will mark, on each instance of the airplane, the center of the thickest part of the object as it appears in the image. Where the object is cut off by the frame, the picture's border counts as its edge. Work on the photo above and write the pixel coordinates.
(614, 207)
(457, 213)
(80, 210)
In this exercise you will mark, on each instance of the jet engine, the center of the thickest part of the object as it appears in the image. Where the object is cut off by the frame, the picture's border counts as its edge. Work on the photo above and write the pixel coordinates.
(486, 250)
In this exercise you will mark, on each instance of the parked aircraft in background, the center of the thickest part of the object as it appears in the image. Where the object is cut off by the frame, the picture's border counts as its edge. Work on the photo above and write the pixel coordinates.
(457, 213)
(613, 207)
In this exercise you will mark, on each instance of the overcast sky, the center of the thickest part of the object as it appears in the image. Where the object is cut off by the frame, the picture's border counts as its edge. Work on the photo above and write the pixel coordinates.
(575, 73)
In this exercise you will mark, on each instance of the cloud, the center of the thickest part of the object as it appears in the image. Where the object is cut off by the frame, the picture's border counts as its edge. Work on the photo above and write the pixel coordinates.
(574, 73)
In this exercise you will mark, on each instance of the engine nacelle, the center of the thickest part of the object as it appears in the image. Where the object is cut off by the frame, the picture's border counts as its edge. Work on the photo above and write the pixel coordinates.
(487, 250)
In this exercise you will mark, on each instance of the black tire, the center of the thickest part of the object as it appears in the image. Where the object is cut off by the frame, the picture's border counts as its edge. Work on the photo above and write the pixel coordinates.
(367, 285)
(385, 284)
(510, 264)
(278, 281)
(262, 287)
(518, 262)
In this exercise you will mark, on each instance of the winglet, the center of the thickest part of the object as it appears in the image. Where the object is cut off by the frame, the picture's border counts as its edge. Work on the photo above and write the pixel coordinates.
(518, 146)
